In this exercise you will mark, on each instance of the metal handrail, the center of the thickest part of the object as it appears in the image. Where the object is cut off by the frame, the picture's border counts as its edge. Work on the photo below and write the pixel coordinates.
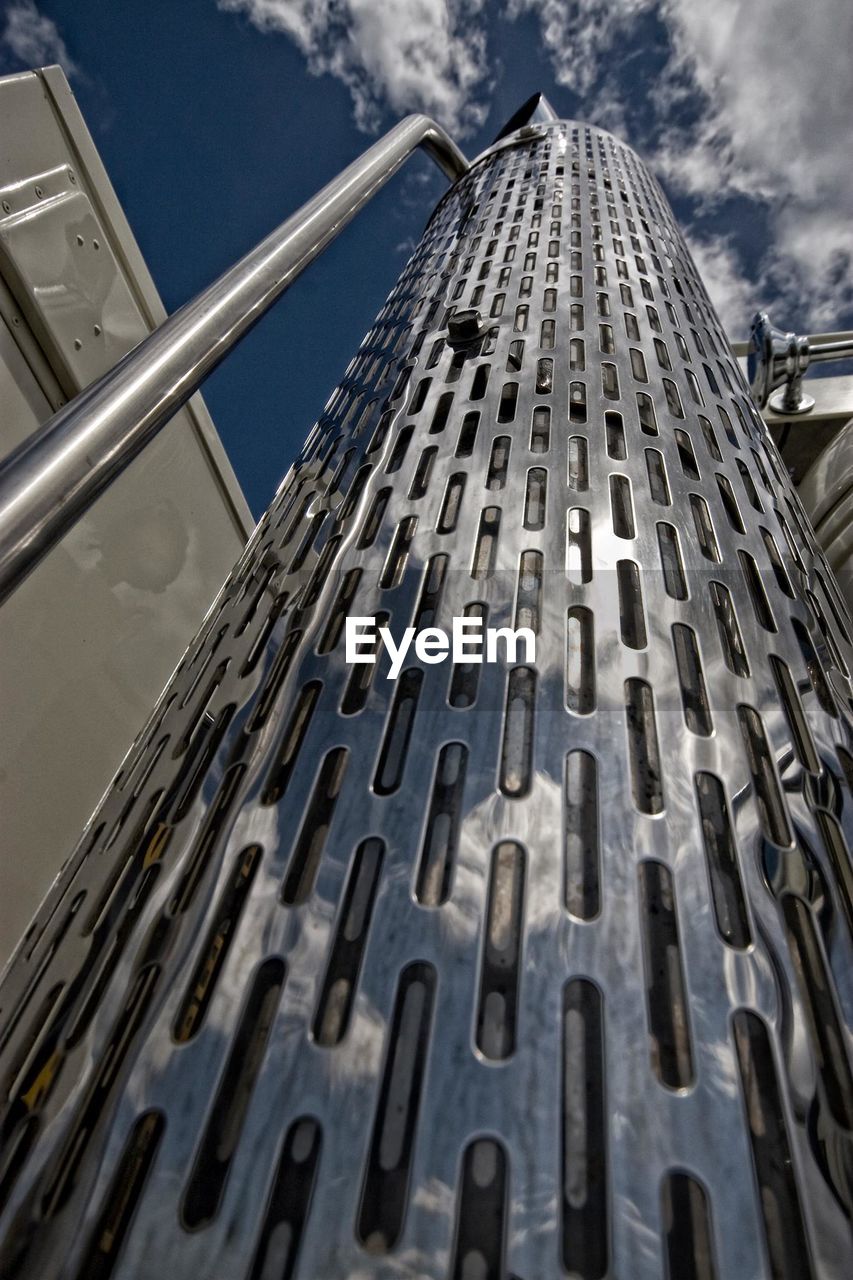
(845, 336)
(50, 480)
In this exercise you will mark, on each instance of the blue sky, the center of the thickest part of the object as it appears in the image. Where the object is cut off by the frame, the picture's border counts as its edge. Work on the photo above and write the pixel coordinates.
(217, 118)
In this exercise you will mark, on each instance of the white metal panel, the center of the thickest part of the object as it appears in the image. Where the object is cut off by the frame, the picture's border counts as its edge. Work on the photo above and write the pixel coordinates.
(88, 642)
(61, 267)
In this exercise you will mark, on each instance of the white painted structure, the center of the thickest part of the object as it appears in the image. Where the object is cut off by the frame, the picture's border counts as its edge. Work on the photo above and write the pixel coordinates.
(90, 639)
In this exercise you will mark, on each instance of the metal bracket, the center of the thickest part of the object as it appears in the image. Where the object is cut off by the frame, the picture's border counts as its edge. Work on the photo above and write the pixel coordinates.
(776, 359)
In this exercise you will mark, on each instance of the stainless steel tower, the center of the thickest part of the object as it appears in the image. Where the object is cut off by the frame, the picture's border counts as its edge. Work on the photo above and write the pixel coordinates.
(512, 970)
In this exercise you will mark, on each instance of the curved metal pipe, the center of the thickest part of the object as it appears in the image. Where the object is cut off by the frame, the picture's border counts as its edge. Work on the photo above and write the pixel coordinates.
(51, 479)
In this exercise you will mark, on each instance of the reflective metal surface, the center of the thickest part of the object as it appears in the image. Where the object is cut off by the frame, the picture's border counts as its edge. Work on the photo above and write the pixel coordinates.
(496, 971)
(47, 484)
(779, 359)
(826, 492)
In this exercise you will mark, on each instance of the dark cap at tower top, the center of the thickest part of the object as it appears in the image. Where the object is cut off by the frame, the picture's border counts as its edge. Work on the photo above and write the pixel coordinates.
(536, 110)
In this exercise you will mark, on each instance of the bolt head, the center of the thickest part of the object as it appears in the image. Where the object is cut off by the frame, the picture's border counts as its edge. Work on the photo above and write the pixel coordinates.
(464, 327)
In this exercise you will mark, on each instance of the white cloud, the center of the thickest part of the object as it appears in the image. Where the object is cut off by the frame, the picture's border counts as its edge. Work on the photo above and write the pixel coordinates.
(731, 293)
(34, 39)
(577, 33)
(399, 55)
(769, 93)
(778, 125)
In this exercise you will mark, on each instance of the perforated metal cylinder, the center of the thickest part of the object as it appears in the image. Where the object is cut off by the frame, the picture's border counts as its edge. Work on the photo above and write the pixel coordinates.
(521, 969)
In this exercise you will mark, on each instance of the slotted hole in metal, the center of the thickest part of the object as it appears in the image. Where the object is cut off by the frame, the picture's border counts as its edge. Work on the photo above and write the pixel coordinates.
(206, 1183)
(500, 970)
(778, 1198)
(516, 760)
(687, 1228)
(340, 982)
(479, 1244)
(289, 1203)
(314, 830)
(582, 855)
(644, 755)
(386, 1181)
(768, 794)
(666, 996)
(584, 1208)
